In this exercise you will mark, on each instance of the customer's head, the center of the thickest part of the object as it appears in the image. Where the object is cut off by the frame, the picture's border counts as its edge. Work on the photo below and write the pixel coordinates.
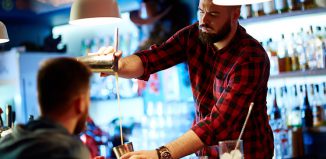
(63, 87)
(216, 22)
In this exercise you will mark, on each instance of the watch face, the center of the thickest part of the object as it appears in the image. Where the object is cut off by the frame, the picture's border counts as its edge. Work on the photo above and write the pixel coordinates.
(166, 155)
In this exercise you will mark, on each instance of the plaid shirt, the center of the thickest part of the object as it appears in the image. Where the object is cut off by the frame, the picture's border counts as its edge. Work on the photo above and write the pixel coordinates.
(223, 82)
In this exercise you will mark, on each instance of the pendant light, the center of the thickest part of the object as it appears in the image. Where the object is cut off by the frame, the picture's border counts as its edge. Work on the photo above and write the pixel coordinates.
(94, 12)
(3, 33)
(236, 2)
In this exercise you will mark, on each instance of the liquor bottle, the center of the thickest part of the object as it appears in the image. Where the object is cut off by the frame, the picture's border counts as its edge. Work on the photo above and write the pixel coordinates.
(271, 49)
(307, 117)
(293, 53)
(284, 104)
(320, 49)
(257, 9)
(295, 115)
(317, 110)
(246, 11)
(292, 5)
(322, 37)
(311, 48)
(280, 6)
(276, 112)
(269, 7)
(284, 61)
(301, 45)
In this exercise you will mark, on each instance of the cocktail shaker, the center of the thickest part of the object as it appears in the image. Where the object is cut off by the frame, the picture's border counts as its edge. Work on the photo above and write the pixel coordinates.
(100, 63)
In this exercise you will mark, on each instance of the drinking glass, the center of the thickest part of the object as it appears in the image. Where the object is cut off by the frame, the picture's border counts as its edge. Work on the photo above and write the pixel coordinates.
(229, 149)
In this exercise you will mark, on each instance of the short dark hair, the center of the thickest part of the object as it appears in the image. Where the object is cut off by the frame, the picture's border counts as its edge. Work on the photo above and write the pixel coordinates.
(59, 80)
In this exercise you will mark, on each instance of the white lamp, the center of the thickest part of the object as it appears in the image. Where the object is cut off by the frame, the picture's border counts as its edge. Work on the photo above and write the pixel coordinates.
(236, 2)
(3, 33)
(94, 12)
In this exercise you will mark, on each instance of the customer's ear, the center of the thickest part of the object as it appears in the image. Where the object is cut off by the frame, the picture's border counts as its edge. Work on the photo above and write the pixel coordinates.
(78, 104)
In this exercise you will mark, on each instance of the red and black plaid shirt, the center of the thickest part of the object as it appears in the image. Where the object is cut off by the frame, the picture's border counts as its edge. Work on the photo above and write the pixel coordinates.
(223, 82)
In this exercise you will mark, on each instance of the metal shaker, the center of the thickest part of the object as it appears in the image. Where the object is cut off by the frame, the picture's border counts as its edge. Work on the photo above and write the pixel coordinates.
(123, 149)
(101, 63)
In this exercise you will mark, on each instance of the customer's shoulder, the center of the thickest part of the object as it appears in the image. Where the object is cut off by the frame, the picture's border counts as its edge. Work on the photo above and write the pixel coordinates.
(44, 144)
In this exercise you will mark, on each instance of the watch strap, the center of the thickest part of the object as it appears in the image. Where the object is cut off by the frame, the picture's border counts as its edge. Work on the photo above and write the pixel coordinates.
(163, 153)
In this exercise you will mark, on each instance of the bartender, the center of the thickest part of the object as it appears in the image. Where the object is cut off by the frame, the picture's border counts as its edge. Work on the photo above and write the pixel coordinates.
(228, 70)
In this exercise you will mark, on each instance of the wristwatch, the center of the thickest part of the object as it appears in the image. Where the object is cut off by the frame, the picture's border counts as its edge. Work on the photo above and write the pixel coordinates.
(163, 153)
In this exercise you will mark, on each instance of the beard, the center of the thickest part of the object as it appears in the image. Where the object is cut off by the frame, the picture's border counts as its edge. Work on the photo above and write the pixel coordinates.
(81, 124)
(211, 38)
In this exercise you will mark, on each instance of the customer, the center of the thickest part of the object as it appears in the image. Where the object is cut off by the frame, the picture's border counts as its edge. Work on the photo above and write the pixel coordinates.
(64, 97)
(228, 69)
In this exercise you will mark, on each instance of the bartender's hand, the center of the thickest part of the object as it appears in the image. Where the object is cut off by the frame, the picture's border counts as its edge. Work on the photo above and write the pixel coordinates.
(107, 51)
(145, 154)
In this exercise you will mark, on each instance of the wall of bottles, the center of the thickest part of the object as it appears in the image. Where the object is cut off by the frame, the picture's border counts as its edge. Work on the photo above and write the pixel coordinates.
(295, 105)
(300, 51)
(278, 7)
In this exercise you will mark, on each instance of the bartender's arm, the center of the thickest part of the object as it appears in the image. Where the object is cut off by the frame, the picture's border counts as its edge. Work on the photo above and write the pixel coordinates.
(187, 144)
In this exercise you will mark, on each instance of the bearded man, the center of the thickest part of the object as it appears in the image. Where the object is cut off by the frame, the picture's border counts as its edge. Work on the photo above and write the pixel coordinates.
(228, 70)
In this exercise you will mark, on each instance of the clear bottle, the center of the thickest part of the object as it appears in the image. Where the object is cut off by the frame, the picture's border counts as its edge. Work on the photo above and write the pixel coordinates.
(311, 49)
(269, 8)
(320, 48)
(257, 9)
(292, 5)
(317, 109)
(301, 45)
(271, 50)
(293, 53)
(284, 59)
(295, 115)
(246, 11)
(307, 117)
(285, 105)
(280, 6)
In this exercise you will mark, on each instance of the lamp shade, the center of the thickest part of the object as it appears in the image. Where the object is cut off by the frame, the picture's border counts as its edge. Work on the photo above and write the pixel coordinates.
(94, 12)
(236, 2)
(3, 33)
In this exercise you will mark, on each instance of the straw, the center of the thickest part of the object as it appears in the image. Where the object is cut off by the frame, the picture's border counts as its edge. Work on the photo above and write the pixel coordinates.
(244, 125)
(116, 39)
(116, 47)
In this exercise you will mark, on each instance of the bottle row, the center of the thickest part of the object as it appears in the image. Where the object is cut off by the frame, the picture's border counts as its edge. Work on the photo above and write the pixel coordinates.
(278, 7)
(126, 43)
(292, 109)
(303, 50)
(298, 105)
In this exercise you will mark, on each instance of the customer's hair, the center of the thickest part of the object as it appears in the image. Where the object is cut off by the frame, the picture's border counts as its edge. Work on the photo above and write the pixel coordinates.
(59, 81)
